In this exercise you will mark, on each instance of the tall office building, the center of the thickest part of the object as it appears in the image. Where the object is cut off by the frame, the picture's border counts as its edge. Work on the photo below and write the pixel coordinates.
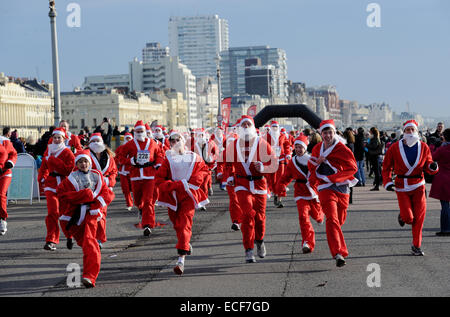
(153, 52)
(232, 69)
(197, 40)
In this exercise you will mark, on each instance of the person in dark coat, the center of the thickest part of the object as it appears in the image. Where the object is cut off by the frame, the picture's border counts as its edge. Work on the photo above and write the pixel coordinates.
(359, 156)
(440, 188)
(375, 149)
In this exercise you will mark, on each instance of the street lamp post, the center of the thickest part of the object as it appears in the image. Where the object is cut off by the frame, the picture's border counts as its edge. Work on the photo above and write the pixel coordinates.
(219, 95)
(56, 90)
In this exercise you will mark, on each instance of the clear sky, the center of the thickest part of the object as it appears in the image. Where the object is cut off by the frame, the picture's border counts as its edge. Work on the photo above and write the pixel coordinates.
(407, 59)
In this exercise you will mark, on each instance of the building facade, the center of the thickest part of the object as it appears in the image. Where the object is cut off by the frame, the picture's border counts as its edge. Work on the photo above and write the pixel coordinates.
(153, 52)
(120, 81)
(26, 105)
(197, 41)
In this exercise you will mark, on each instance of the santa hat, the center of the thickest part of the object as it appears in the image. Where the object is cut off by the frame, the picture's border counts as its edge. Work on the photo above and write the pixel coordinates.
(159, 127)
(274, 123)
(173, 133)
(96, 136)
(60, 131)
(128, 136)
(411, 123)
(302, 140)
(140, 124)
(83, 154)
(147, 127)
(246, 118)
(327, 124)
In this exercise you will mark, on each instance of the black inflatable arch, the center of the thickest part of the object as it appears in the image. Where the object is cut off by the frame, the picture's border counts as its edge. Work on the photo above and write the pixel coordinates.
(287, 111)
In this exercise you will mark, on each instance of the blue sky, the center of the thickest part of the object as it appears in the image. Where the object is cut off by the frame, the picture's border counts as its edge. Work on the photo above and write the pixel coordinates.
(407, 59)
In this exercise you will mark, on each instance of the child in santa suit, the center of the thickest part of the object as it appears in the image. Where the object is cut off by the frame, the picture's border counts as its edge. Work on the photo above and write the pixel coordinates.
(84, 196)
(305, 195)
(143, 157)
(124, 173)
(408, 159)
(281, 147)
(57, 164)
(179, 179)
(249, 159)
(333, 166)
(8, 158)
(103, 161)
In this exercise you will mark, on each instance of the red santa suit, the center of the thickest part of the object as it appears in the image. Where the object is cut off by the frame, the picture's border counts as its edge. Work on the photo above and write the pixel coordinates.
(124, 173)
(164, 145)
(333, 178)
(179, 179)
(84, 199)
(250, 185)
(143, 159)
(56, 166)
(282, 150)
(305, 194)
(8, 159)
(209, 152)
(409, 181)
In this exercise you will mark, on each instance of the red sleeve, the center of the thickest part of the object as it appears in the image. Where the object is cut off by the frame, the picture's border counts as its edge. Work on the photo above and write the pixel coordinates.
(388, 165)
(112, 172)
(63, 164)
(201, 172)
(348, 164)
(428, 160)
(164, 178)
(286, 178)
(75, 142)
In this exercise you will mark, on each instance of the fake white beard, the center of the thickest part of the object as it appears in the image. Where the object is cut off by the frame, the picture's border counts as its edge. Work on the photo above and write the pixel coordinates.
(140, 136)
(178, 148)
(411, 138)
(249, 133)
(53, 148)
(97, 147)
(158, 135)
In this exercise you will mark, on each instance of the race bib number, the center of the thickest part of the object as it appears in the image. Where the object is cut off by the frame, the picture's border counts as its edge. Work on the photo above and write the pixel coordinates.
(143, 156)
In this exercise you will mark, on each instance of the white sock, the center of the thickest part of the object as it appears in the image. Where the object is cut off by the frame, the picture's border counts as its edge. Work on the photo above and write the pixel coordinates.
(180, 259)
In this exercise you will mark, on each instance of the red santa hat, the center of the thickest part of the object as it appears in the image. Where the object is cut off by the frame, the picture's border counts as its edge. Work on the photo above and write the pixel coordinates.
(128, 136)
(140, 124)
(60, 131)
(96, 136)
(159, 127)
(83, 154)
(302, 140)
(327, 124)
(411, 123)
(246, 118)
(176, 133)
(147, 127)
(274, 123)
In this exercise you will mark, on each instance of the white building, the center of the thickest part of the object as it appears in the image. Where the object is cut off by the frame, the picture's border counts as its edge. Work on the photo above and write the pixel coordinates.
(106, 82)
(153, 52)
(198, 40)
(167, 72)
(26, 105)
(207, 101)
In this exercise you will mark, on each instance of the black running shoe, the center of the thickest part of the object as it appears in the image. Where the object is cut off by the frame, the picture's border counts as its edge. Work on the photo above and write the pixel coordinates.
(400, 221)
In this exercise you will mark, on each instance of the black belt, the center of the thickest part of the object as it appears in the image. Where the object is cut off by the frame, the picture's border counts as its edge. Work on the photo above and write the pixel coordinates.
(303, 181)
(410, 176)
(251, 178)
(54, 174)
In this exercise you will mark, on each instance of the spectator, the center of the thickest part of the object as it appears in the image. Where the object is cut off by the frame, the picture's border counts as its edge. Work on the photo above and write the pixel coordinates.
(359, 156)
(438, 134)
(374, 150)
(41, 145)
(350, 138)
(30, 146)
(440, 188)
(7, 132)
(106, 130)
(18, 145)
(116, 134)
(315, 138)
(87, 132)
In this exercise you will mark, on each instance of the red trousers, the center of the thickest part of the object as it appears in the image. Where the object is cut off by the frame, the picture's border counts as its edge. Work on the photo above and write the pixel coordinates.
(235, 210)
(86, 237)
(253, 225)
(182, 220)
(143, 198)
(5, 181)
(334, 206)
(305, 209)
(207, 183)
(273, 178)
(125, 184)
(52, 219)
(413, 207)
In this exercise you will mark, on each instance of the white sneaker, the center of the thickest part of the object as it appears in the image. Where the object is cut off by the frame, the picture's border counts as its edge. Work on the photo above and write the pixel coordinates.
(3, 228)
(87, 282)
(306, 248)
(249, 257)
(261, 249)
(179, 268)
(129, 208)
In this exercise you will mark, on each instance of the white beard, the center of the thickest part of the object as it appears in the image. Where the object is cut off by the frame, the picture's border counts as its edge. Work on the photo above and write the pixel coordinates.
(411, 139)
(158, 135)
(97, 147)
(249, 133)
(140, 136)
(53, 148)
(275, 136)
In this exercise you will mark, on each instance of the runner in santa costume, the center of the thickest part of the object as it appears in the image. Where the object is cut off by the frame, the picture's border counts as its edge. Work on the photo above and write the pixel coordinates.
(333, 166)
(180, 178)
(208, 151)
(220, 141)
(124, 173)
(73, 141)
(8, 158)
(248, 160)
(84, 197)
(408, 159)
(281, 148)
(158, 135)
(143, 157)
(305, 194)
(103, 161)
(57, 164)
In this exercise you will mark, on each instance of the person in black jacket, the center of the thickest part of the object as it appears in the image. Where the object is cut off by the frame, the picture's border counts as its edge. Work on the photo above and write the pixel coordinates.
(359, 156)
(375, 149)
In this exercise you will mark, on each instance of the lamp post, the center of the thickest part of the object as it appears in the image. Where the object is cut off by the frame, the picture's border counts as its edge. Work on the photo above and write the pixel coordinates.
(56, 91)
(219, 97)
